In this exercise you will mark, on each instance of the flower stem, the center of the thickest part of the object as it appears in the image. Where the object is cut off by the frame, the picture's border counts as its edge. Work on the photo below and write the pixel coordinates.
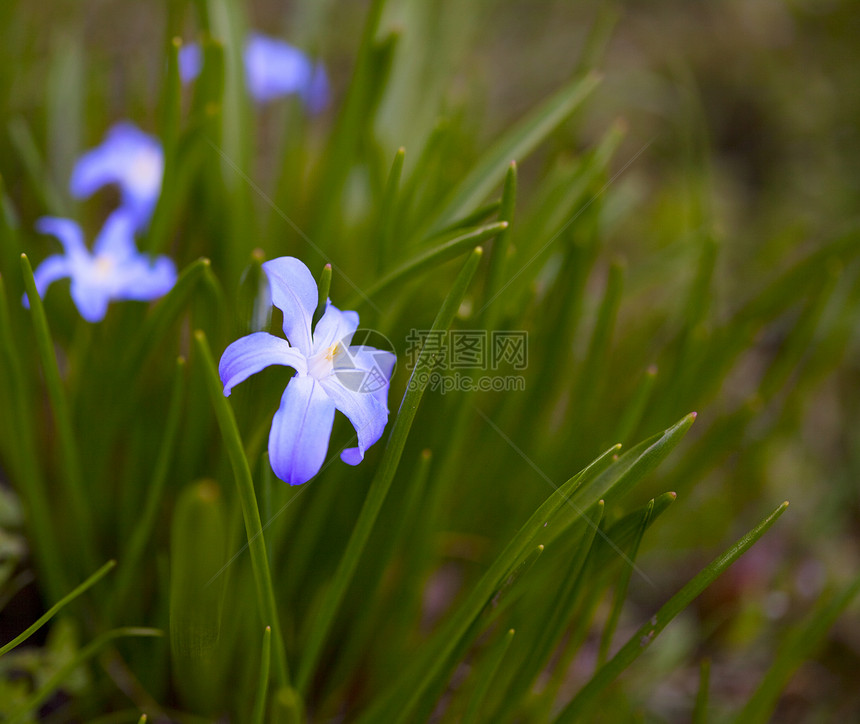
(250, 511)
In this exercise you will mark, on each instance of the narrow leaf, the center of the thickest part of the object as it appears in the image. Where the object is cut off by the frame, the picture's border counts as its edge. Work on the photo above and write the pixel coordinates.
(382, 480)
(638, 643)
(515, 144)
(52, 611)
(250, 512)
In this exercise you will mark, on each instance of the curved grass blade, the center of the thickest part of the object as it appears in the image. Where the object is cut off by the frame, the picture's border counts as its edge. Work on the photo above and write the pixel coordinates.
(559, 614)
(52, 611)
(516, 144)
(387, 213)
(248, 500)
(259, 710)
(499, 255)
(621, 589)
(428, 259)
(90, 650)
(381, 483)
(34, 492)
(424, 668)
(485, 678)
(700, 711)
(638, 643)
(73, 479)
(146, 522)
(604, 478)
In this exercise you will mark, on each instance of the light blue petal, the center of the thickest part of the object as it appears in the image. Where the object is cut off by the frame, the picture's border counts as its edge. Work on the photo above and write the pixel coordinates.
(128, 157)
(90, 299)
(365, 411)
(138, 279)
(316, 93)
(248, 355)
(116, 239)
(190, 62)
(53, 268)
(301, 429)
(274, 68)
(67, 231)
(334, 326)
(294, 292)
(375, 367)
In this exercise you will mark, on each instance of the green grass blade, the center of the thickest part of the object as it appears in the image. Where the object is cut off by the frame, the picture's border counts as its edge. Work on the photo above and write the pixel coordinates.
(52, 611)
(501, 246)
(171, 118)
(140, 536)
(50, 199)
(198, 551)
(73, 478)
(796, 648)
(250, 512)
(381, 483)
(638, 643)
(165, 313)
(514, 145)
(428, 259)
(86, 653)
(387, 210)
(621, 589)
(557, 618)
(598, 349)
(424, 668)
(31, 481)
(700, 710)
(259, 710)
(635, 408)
(485, 677)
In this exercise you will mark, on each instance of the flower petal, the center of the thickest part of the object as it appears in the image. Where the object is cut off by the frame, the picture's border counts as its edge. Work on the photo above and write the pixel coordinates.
(116, 239)
(365, 411)
(316, 92)
(128, 157)
(294, 292)
(53, 268)
(274, 68)
(90, 299)
(375, 366)
(141, 280)
(334, 326)
(67, 231)
(254, 352)
(300, 432)
(190, 62)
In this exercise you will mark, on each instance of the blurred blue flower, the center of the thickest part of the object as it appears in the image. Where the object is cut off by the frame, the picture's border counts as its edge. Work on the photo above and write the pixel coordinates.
(331, 374)
(273, 69)
(129, 158)
(114, 270)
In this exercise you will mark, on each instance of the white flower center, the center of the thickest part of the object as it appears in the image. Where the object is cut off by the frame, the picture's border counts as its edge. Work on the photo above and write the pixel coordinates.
(146, 171)
(103, 266)
(322, 363)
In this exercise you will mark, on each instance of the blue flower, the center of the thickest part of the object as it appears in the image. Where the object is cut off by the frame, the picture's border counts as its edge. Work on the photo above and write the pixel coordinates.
(330, 374)
(273, 69)
(129, 158)
(114, 270)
